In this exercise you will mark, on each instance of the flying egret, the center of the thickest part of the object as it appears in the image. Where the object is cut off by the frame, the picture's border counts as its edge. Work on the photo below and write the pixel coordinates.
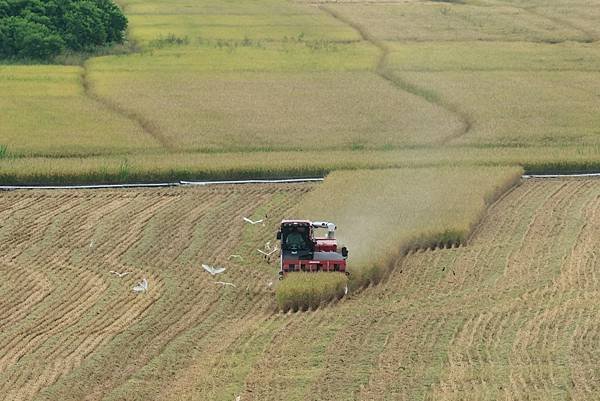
(247, 220)
(213, 270)
(142, 286)
(225, 283)
(236, 257)
(267, 254)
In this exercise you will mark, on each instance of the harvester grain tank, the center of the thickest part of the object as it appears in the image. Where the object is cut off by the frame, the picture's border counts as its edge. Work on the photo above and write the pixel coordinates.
(303, 251)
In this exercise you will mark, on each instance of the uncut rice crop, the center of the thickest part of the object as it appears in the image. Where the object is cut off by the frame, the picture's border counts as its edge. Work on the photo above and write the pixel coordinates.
(384, 214)
(146, 28)
(45, 111)
(444, 21)
(301, 291)
(519, 108)
(276, 111)
(223, 166)
(493, 56)
(213, 57)
(217, 20)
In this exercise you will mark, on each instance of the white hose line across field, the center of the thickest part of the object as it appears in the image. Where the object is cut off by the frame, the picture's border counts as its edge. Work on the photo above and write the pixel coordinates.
(161, 185)
(282, 181)
(589, 175)
(231, 182)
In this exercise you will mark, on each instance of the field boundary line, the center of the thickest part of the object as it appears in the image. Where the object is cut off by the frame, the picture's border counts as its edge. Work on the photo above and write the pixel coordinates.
(147, 127)
(163, 184)
(388, 75)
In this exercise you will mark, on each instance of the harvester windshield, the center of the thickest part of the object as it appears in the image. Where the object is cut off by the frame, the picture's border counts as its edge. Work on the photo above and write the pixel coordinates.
(296, 238)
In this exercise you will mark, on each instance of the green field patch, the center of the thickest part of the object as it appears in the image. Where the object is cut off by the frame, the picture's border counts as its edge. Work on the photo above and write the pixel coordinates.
(46, 112)
(146, 28)
(243, 56)
(215, 7)
(243, 165)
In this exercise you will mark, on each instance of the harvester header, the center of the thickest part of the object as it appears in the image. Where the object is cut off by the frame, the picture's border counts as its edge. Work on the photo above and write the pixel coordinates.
(302, 250)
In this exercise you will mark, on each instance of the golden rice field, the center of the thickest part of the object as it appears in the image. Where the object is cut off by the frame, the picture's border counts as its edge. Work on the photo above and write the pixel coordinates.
(445, 21)
(254, 111)
(510, 315)
(421, 113)
(231, 80)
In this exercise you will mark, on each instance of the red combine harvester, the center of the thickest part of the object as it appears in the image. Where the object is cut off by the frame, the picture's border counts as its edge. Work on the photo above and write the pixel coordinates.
(302, 251)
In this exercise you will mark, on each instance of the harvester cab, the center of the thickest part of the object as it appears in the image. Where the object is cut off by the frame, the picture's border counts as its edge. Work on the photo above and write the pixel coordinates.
(302, 250)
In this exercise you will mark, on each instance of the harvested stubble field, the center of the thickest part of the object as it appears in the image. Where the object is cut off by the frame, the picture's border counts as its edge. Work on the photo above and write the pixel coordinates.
(510, 315)
(72, 331)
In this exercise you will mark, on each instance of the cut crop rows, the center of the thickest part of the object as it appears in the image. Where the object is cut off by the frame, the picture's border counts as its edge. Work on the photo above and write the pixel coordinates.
(511, 314)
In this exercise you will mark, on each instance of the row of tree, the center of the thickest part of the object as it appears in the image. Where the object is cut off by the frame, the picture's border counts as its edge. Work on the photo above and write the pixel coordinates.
(41, 29)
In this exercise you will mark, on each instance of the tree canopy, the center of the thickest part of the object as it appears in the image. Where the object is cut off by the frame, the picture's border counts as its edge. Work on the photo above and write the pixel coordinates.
(41, 29)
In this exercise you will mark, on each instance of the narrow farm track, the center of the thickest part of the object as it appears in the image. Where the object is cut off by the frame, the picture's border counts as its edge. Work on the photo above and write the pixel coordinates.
(512, 315)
